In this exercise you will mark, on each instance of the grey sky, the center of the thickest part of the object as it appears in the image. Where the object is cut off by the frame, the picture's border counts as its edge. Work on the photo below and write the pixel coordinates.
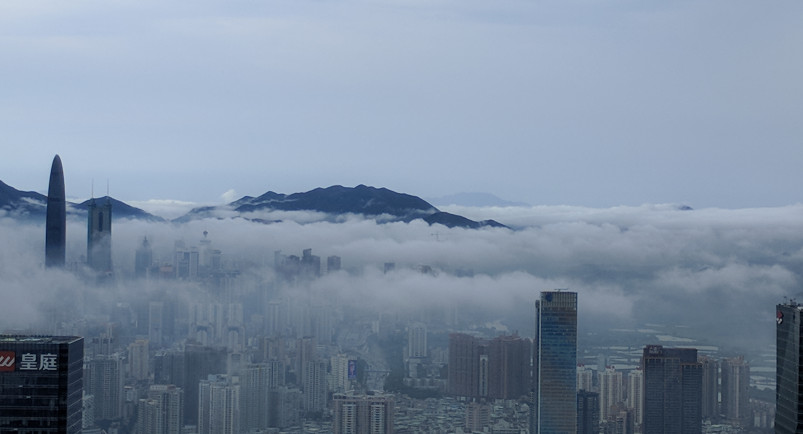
(550, 102)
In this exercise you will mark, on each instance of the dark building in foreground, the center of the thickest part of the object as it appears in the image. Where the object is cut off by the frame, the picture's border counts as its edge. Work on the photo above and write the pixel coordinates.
(673, 390)
(587, 412)
(41, 383)
(554, 408)
(56, 219)
(788, 391)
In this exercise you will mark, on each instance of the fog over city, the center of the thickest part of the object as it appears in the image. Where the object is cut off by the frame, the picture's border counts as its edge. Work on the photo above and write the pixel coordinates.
(717, 271)
(367, 198)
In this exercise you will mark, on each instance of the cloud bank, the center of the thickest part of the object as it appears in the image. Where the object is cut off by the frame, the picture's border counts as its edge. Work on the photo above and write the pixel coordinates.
(720, 272)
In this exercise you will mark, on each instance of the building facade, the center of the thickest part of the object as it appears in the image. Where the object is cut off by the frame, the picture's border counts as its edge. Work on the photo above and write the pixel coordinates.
(99, 235)
(555, 364)
(672, 390)
(41, 383)
(363, 414)
(788, 378)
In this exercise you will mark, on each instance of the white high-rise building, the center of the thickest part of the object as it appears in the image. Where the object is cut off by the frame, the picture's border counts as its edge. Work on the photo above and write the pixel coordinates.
(219, 405)
(314, 386)
(611, 391)
(635, 395)
(585, 378)
(162, 412)
(417, 340)
(339, 376)
(735, 389)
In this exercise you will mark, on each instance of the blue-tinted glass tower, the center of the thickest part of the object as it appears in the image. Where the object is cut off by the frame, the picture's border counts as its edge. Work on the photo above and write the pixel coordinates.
(56, 219)
(789, 369)
(554, 409)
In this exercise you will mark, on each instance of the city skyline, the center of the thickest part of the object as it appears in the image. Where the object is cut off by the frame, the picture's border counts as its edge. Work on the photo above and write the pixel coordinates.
(623, 103)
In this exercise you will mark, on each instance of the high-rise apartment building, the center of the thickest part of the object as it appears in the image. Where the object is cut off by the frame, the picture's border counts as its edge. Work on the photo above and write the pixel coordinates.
(585, 378)
(339, 375)
(106, 384)
(363, 414)
(417, 340)
(162, 411)
(672, 390)
(710, 399)
(508, 367)
(138, 359)
(219, 405)
(314, 386)
(41, 382)
(788, 369)
(735, 389)
(258, 380)
(465, 353)
(611, 392)
(635, 396)
(555, 364)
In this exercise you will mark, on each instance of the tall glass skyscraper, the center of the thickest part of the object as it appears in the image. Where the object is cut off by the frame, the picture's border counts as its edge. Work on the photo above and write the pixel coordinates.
(788, 393)
(555, 364)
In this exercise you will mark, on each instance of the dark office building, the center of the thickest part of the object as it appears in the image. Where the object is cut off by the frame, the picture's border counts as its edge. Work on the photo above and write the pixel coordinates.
(554, 408)
(788, 393)
(673, 390)
(468, 366)
(587, 412)
(99, 235)
(508, 367)
(56, 218)
(41, 382)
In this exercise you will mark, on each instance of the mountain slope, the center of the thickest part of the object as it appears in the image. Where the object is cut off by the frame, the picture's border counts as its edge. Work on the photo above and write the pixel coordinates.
(380, 203)
(32, 206)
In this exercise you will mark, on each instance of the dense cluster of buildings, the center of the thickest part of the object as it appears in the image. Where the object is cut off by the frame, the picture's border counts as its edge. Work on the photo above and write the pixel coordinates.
(247, 359)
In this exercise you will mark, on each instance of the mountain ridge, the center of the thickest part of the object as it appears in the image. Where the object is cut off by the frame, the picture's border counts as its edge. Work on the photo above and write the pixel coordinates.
(331, 203)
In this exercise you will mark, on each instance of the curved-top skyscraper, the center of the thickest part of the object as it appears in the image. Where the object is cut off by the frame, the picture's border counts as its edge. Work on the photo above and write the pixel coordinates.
(56, 223)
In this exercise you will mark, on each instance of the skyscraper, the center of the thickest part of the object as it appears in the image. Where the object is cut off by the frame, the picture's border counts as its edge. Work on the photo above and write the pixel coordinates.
(611, 388)
(788, 378)
(508, 367)
(555, 363)
(106, 384)
(99, 236)
(465, 365)
(735, 388)
(56, 222)
(162, 411)
(673, 385)
(587, 412)
(219, 405)
(143, 259)
(635, 396)
(41, 381)
(710, 408)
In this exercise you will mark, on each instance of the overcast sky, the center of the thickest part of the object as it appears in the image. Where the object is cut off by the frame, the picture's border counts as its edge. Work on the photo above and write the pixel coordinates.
(590, 103)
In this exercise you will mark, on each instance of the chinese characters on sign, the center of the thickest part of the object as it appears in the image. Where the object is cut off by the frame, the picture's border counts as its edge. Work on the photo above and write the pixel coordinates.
(45, 362)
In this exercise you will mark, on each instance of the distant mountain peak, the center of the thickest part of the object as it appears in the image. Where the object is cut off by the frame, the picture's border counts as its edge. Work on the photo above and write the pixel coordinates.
(381, 204)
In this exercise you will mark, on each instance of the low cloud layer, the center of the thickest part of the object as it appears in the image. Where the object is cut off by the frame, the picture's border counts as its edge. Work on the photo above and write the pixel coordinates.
(718, 271)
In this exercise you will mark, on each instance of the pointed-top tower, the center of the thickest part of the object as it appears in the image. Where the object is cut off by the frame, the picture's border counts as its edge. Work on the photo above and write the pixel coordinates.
(56, 223)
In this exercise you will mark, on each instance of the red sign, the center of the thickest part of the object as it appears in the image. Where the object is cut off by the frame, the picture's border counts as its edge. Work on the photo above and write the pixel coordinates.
(7, 361)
